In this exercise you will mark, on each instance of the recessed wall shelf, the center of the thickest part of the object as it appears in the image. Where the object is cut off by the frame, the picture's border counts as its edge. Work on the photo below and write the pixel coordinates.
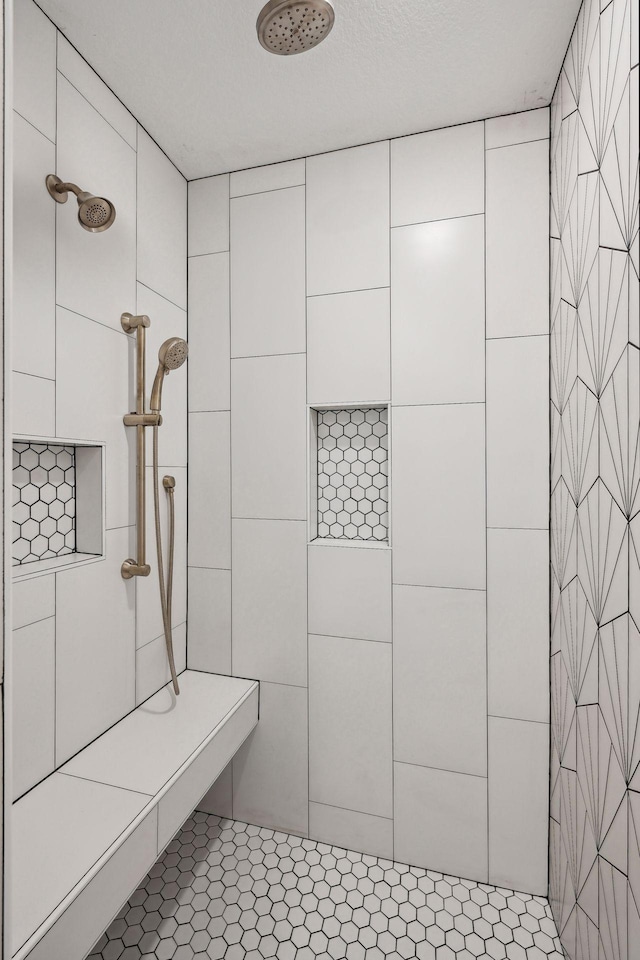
(58, 512)
(352, 473)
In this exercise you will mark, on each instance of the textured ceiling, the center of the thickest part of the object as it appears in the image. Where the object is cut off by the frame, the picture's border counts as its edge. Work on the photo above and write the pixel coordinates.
(194, 74)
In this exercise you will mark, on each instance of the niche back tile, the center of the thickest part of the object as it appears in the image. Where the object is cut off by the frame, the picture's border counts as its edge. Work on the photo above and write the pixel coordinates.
(44, 501)
(353, 468)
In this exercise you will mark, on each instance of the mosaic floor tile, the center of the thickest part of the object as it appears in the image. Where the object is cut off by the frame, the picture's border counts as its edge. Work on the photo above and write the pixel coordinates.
(225, 890)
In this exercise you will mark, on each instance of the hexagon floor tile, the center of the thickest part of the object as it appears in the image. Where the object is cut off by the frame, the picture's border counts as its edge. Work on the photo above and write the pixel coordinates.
(225, 890)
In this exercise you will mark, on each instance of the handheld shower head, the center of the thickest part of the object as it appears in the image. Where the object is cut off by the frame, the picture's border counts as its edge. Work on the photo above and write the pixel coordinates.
(171, 355)
(95, 214)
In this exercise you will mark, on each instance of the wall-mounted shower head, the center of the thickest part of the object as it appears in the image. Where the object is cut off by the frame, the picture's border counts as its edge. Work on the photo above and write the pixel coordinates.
(94, 213)
(171, 355)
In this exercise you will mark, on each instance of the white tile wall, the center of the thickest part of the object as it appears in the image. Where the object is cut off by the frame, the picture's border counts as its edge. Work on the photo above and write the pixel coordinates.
(439, 687)
(34, 81)
(208, 215)
(393, 314)
(438, 509)
(33, 693)
(348, 219)
(33, 600)
(34, 275)
(152, 667)
(209, 490)
(517, 432)
(350, 749)
(437, 314)
(269, 606)
(437, 175)
(268, 440)
(34, 405)
(440, 820)
(348, 347)
(350, 592)
(270, 778)
(267, 273)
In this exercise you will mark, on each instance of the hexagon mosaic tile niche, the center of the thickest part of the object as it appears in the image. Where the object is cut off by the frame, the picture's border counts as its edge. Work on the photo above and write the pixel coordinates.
(353, 470)
(44, 504)
(226, 890)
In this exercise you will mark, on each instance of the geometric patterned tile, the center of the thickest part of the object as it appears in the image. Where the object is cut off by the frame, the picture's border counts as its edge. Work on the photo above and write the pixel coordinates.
(225, 889)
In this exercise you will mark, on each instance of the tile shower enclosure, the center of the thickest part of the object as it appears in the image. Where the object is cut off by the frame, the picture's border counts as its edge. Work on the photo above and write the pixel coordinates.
(416, 279)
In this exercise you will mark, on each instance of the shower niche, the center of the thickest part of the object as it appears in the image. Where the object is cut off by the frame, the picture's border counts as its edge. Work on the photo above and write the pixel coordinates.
(58, 504)
(349, 474)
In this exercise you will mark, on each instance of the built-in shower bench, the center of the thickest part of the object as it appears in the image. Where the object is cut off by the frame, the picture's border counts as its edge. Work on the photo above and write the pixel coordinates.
(83, 839)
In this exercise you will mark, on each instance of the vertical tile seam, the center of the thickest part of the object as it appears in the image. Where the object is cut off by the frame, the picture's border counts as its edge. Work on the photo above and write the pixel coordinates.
(390, 514)
(486, 507)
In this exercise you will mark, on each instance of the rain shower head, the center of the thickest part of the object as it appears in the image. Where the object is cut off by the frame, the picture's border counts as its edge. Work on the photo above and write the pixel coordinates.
(94, 213)
(171, 355)
(286, 27)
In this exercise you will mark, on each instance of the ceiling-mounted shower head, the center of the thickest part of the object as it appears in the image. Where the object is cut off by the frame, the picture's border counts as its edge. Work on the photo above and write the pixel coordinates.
(171, 355)
(286, 27)
(94, 213)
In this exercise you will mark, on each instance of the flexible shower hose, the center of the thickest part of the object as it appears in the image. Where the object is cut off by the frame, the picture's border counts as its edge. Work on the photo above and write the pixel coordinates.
(166, 592)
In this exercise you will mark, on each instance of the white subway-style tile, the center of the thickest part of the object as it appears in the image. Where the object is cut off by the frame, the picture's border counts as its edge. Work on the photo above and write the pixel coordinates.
(348, 347)
(518, 432)
(269, 437)
(437, 312)
(274, 176)
(518, 623)
(350, 744)
(209, 490)
(350, 592)
(351, 830)
(34, 67)
(34, 272)
(162, 223)
(517, 128)
(440, 821)
(33, 704)
(439, 685)
(437, 175)
(209, 333)
(270, 770)
(95, 646)
(517, 240)
(33, 406)
(209, 620)
(267, 273)
(518, 804)
(33, 600)
(438, 496)
(95, 273)
(94, 390)
(208, 215)
(152, 665)
(348, 219)
(269, 606)
(87, 82)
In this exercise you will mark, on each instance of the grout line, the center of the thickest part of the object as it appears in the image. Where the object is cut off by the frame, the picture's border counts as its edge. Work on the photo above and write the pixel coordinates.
(486, 508)
(34, 127)
(345, 293)
(422, 223)
(112, 786)
(362, 813)
(263, 356)
(92, 105)
(426, 766)
(259, 193)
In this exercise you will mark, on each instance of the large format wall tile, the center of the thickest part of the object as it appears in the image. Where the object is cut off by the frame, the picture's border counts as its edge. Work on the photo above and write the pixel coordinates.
(267, 273)
(517, 245)
(348, 219)
(348, 347)
(269, 606)
(270, 771)
(34, 67)
(437, 497)
(350, 591)
(268, 438)
(95, 273)
(518, 623)
(517, 128)
(33, 696)
(208, 215)
(437, 175)
(210, 620)
(437, 315)
(33, 406)
(95, 647)
(209, 490)
(348, 828)
(350, 748)
(439, 689)
(517, 432)
(440, 820)
(33, 600)
(34, 272)
(273, 176)
(209, 333)
(162, 223)
(152, 665)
